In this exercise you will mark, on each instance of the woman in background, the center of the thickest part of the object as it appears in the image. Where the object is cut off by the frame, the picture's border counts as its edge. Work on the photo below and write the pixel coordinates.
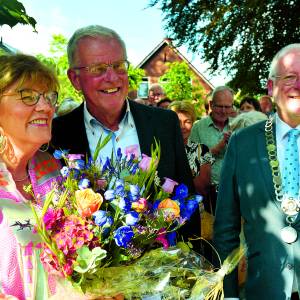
(199, 157)
(249, 104)
(28, 94)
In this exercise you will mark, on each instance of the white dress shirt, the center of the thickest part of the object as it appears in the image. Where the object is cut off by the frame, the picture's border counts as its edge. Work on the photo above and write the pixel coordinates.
(125, 137)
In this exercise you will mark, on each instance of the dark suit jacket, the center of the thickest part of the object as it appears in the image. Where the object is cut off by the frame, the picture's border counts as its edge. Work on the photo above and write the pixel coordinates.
(247, 191)
(68, 132)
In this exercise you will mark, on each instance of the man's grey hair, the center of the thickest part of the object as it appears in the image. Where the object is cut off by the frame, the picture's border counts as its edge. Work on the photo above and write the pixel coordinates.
(157, 86)
(282, 52)
(91, 31)
(221, 89)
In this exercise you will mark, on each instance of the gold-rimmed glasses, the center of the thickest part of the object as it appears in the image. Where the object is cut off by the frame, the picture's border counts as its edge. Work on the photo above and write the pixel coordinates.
(120, 67)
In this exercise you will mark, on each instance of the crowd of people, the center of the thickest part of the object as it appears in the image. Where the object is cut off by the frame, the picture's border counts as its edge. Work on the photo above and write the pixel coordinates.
(239, 164)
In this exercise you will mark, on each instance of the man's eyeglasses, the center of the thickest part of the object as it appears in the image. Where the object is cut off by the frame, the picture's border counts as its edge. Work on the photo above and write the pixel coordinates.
(31, 97)
(221, 107)
(119, 67)
(289, 79)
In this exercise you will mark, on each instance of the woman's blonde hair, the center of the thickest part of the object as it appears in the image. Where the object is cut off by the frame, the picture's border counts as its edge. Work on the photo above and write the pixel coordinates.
(25, 68)
(185, 107)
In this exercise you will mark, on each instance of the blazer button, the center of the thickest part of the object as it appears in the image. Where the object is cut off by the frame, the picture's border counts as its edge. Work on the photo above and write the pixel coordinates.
(290, 266)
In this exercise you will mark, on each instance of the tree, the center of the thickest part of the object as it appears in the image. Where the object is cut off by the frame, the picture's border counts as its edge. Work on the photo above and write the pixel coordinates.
(13, 12)
(240, 37)
(58, 61)
(135, 76)
(180, 84)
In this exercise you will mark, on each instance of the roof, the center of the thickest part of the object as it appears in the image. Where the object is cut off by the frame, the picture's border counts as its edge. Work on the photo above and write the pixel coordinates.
(168, 42)
(6, 48)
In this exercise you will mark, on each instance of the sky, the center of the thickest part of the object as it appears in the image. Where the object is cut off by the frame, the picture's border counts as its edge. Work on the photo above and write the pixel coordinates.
(140, 27)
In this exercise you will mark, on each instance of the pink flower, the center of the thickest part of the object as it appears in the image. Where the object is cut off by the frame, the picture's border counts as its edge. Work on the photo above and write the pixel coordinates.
(72, 157)
(133, 149)
(52, 218)
(169, 185)
(162, 238)
(140, 206)
(145, 162)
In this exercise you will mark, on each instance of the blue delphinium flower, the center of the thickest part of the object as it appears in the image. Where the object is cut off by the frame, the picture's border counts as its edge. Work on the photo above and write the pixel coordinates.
(109, 195)
(84, 184)
(119, 154)
(107, 165)
(132, 218)
(65, 171)
(120, 190)
(155, 205)
(181, 191)
(171, 237)
(189, 208)
(134, 169)
(125, 205)
(59, 154)
(102, 219)
(123, 235)
(134, 192)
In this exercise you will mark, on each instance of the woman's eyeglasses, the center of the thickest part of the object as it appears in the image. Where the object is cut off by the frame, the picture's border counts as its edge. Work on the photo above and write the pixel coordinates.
(31, 97)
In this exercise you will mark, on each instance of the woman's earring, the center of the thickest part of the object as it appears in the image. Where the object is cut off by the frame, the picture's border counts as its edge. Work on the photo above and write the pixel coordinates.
(44, 147)
(3, 142)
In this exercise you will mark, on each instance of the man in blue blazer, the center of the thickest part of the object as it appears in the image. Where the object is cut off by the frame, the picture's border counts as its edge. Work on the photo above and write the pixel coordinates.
(98, 68)
(254, 188)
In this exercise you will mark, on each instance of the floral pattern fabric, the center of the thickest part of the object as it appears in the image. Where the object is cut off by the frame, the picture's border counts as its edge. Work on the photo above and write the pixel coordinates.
(21, 273)
(198, 155)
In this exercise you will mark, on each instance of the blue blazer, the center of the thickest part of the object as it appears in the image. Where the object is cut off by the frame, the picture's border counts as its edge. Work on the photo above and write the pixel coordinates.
(247, 192)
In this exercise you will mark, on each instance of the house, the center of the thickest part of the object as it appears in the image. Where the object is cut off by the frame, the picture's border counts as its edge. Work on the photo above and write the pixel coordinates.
(155, 66)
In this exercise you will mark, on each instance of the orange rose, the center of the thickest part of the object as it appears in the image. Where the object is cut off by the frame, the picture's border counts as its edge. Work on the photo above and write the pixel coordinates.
(88, 202)
(170, 209)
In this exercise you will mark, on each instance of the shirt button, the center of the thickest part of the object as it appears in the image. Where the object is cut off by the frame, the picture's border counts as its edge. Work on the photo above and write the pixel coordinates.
(117, 139)
(290, 266)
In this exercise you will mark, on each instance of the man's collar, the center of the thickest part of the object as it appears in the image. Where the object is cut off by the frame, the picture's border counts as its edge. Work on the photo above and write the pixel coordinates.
(90, 119)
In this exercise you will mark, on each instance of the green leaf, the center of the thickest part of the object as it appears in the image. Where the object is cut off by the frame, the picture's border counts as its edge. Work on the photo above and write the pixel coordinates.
(13, 12)
(88, 260)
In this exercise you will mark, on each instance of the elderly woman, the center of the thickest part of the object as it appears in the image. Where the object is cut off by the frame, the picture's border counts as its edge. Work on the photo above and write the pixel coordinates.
(28, 94)
(199, 157)
(249, 104)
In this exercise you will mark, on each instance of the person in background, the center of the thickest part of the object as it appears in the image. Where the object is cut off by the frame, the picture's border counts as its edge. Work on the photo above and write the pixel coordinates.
(28, 95)
(266, 105)
(260, 183)
(213, 131)
(199, 157)
(98, 67)
(249, 104)
(164, 103)
(155, 94)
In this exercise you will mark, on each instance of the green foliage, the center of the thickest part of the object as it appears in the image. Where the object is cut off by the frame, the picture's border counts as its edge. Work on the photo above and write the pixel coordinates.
(177, 83)
(59, 62)
(135, 76)
(239, 37)
(13, 12)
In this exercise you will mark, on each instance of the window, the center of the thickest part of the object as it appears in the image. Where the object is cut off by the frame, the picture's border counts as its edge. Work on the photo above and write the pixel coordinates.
(143, 88)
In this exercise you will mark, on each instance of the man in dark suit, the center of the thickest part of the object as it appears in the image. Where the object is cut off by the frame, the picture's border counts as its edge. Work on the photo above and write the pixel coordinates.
(257, 185)
(98, 68)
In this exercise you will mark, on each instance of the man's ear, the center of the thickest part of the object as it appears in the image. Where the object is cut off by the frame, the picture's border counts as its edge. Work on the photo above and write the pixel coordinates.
(74, 78)
(270, 87)
(210, 105)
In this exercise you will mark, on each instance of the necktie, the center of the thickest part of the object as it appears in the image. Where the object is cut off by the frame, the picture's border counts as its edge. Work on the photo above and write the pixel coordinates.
(290, 174)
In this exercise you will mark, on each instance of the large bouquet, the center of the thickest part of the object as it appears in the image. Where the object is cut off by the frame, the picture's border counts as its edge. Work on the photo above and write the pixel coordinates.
(103, 221)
